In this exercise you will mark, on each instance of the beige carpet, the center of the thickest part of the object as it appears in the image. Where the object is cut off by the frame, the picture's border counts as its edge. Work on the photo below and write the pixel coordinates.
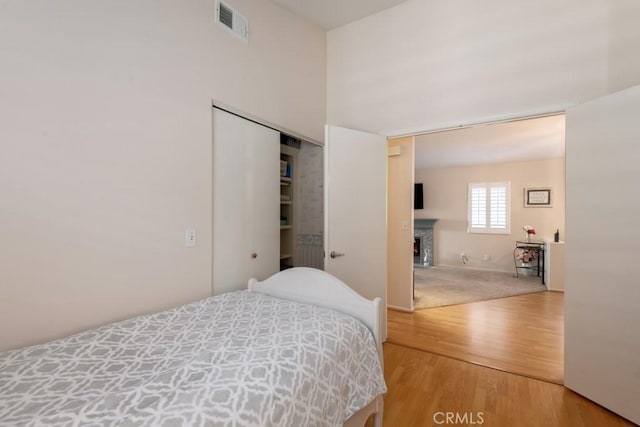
(441, 286)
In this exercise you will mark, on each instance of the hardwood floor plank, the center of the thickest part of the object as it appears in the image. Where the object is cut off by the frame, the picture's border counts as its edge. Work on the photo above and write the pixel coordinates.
(424, 388)
(428, 377)
(522, 334)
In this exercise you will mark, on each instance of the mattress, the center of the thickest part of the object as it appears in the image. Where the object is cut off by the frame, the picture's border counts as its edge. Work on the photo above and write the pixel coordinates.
(237, 359)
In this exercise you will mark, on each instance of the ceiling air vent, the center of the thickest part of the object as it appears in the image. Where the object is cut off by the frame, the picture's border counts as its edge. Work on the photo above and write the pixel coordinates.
(232, 20)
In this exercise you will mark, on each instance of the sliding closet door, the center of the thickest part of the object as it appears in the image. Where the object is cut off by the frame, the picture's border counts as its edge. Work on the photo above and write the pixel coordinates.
(602, 291)
(246, 201)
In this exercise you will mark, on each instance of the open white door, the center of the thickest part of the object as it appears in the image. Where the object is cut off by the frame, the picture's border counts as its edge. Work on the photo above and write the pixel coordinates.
(602, 295)
(355, 228)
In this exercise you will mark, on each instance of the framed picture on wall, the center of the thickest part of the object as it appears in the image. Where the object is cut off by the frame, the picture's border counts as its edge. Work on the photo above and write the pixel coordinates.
(537, 198)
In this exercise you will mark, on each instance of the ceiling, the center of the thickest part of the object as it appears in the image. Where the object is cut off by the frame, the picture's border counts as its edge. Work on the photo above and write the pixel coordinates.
(335, 13)
(523, 140)
(517, 141)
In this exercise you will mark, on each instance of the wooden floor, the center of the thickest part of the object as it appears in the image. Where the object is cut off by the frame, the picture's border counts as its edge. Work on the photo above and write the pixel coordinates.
(522, 334)
(425, 389)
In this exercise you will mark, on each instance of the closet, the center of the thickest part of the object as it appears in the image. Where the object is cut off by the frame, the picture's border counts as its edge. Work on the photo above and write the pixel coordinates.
(267, 202)
(289, 148)
(246, 192)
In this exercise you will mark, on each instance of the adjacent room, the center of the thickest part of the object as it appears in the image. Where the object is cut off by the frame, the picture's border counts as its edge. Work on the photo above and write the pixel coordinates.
(468, 229)
(479, 284)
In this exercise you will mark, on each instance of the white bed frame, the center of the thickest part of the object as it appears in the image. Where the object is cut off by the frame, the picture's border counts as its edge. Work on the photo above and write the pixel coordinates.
(312, 286)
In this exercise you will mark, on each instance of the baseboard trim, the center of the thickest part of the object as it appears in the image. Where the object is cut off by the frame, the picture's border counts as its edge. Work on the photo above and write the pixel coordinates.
(396, 308)
(472, 267)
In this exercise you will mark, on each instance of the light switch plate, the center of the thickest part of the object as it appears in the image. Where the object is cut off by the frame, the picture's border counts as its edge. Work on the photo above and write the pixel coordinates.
(190, 237)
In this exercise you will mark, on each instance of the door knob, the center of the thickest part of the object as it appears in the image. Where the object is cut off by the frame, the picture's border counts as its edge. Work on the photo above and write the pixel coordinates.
(254, 255)
(335, 254)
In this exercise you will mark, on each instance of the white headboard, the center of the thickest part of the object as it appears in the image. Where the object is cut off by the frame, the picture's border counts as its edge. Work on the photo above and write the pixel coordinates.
(312, 286)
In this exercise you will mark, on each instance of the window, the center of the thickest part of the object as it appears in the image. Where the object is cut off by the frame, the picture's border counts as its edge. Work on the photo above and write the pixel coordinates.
(488, 207)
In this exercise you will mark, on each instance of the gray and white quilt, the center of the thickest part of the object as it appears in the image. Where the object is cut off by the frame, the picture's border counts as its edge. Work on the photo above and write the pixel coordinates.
(238, 359)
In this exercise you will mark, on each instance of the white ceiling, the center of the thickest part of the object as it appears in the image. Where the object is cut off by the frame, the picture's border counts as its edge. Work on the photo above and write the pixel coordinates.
(533, 139)
(335, 13)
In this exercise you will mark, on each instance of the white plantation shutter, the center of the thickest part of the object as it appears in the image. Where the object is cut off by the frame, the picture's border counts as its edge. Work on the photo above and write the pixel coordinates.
(489, 207)
(478, 204)
(498, 208)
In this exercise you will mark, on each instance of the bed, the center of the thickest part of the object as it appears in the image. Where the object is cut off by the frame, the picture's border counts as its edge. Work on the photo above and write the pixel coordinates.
(298, 349)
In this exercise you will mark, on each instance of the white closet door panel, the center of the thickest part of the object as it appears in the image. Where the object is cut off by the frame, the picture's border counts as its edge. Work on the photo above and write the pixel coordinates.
(231, 243)
(245, 201)
(263, 195)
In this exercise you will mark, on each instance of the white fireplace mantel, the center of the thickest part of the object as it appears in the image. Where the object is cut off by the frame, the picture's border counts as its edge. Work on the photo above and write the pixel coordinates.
(424, 223)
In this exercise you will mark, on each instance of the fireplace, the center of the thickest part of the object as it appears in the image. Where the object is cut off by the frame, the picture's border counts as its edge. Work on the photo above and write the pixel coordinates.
(423, 242)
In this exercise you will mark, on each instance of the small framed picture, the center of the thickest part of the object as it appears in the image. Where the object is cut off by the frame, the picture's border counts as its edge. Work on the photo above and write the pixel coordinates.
(537, 198)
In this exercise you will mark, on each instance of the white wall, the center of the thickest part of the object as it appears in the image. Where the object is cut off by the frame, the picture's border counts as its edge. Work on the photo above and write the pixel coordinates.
(105, 135)
(602, 342)
(433, 64)
(445, 199)
(400, 174)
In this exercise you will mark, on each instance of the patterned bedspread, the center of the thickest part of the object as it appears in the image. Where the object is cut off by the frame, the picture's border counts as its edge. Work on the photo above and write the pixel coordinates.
(238, 359)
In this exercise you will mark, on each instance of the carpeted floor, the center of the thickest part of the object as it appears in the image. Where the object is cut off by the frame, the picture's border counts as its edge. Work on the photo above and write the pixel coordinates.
(441, 286)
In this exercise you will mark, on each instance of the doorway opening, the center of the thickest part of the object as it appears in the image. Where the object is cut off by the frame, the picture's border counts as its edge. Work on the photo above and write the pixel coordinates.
(528, 153)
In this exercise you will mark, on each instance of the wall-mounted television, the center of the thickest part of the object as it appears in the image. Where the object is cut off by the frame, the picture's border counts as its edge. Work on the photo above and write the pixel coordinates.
(418, 197)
